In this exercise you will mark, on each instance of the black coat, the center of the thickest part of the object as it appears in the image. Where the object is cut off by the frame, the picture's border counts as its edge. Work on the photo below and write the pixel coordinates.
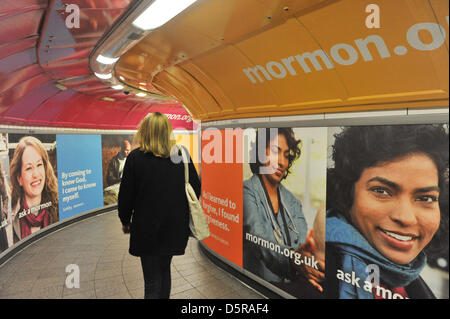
(152, 198)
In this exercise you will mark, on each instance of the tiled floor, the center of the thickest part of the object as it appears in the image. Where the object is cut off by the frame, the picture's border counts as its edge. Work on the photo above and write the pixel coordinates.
(100, 249)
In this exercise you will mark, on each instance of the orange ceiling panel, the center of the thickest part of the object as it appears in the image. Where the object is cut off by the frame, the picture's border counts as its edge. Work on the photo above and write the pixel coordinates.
(220, 65)
(388, 76)
(313, 87)
(249, 58)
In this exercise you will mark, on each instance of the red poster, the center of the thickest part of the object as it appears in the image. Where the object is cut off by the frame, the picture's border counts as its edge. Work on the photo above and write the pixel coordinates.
(222, 191)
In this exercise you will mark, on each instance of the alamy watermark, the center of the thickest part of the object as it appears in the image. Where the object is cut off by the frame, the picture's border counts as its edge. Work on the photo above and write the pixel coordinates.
(73, 19)
(73, 277)
(236, 145)
(373, 19)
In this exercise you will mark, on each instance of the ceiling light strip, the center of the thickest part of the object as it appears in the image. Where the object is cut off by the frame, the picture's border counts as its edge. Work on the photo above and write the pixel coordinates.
(143, 17)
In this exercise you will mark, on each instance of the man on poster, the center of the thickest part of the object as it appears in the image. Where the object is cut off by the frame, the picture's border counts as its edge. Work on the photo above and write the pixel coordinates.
(115, 168)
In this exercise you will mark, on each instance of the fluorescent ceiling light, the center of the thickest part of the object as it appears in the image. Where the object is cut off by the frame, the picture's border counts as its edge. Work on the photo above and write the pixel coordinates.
(141, 94)
(117, 87)
(159, 12)
(103, 76)
(105, 60)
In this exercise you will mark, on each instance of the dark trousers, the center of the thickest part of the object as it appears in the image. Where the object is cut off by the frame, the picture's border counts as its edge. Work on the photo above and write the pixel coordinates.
(156, 276)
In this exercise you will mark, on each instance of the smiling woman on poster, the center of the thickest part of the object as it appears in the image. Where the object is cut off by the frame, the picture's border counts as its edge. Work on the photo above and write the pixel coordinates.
(34, 188)
(387, 200)
(4, 211)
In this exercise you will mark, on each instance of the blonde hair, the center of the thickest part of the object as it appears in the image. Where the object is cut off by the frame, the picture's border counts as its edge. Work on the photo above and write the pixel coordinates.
(155, 135)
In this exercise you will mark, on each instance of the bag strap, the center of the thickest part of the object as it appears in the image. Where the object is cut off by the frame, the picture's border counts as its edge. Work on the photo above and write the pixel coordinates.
(185, 161)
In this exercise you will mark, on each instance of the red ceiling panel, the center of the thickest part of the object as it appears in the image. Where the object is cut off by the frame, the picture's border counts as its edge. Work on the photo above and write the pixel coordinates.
(73, 106)
(17, 46)
(17, 61)
(78, 81)
(100, 4)
(107, 114)
(12, 98)
(20, 26)
(37, 50)
(46, 113)
(11, 7)
(8, 82)
(138, 113)
(84, 111)
(25, 106)
(68, 69)
(141, 110)
(94, 113)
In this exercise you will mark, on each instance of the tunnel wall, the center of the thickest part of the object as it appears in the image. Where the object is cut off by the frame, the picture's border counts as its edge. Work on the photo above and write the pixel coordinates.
(223, 178)
(77, 168)
(242, 230)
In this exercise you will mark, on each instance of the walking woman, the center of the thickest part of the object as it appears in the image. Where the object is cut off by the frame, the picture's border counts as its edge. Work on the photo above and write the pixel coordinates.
(152, 203)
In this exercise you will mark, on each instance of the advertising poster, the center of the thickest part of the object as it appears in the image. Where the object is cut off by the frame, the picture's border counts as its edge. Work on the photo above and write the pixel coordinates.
(33, 183)
(222, 191)
(387, 212)
(115, 149)
(79, 173)
(284, 192)
(6, 237)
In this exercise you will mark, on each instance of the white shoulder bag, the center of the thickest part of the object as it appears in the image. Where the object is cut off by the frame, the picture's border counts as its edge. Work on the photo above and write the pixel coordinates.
(197, 218)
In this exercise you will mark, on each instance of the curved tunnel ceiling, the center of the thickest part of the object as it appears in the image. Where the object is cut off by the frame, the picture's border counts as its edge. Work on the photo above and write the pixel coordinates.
(45, 79)
(249, 58)
(223, 60)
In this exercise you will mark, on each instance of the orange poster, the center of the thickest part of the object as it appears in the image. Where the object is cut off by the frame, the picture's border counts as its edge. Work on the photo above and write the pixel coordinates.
(222, 191)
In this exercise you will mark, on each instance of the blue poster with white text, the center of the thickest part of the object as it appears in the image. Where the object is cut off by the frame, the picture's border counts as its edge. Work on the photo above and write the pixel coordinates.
(80, 183)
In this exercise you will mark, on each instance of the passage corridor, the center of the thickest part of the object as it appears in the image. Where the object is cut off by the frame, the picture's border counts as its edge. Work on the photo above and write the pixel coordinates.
(107, 271)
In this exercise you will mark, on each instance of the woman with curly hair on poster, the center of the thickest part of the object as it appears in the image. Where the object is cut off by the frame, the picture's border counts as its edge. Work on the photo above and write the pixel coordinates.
(387, 201)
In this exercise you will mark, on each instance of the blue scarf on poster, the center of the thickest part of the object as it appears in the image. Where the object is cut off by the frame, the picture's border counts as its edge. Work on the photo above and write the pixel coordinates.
(349, 240)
